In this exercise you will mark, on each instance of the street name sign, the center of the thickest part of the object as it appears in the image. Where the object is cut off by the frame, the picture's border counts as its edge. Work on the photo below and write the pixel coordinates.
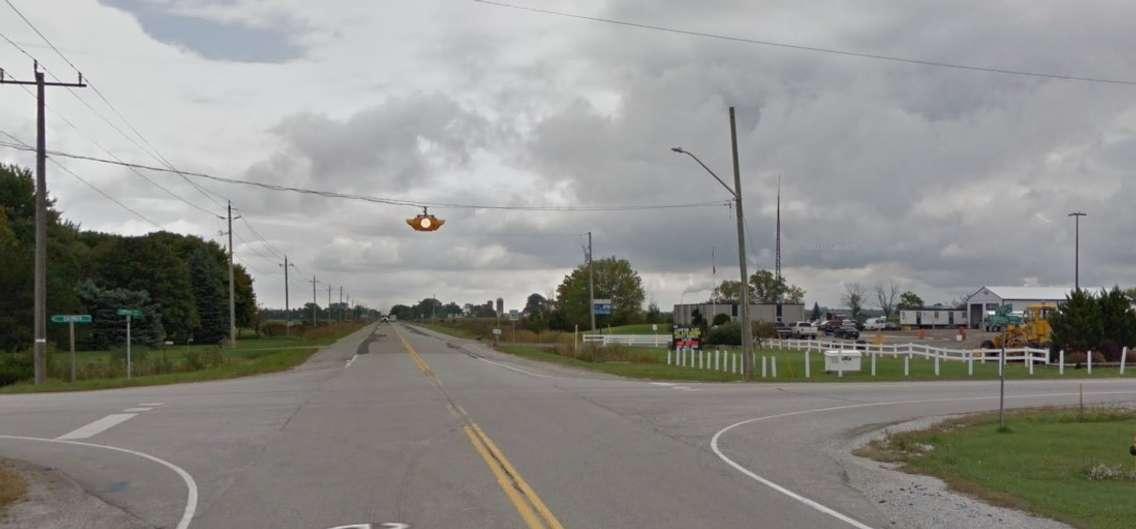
(71, 318)
(134, 313)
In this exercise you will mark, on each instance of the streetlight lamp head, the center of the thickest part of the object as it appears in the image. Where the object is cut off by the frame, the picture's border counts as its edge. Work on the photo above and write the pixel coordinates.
(678, 150)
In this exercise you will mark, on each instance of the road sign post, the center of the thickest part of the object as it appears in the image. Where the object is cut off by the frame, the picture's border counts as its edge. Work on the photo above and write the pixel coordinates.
(71, 320)
(129, 313)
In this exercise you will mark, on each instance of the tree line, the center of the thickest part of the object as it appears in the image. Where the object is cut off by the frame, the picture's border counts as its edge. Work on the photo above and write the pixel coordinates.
(180, 282)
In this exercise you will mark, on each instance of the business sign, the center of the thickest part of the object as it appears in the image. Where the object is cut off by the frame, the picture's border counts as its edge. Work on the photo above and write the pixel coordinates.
(133, 313)
(687, 337)
(601, 307)
(71, 318)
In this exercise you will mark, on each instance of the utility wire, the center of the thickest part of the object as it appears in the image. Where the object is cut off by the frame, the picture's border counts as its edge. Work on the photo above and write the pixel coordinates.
(90, 185)
(384, 200)
(832, 51)
(267, 245)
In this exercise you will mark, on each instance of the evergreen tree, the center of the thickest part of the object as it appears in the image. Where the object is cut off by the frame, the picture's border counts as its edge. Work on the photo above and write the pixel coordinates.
(210, 298)
(1077, 324)
(1118, 323)
(815, 316)
(108, 328)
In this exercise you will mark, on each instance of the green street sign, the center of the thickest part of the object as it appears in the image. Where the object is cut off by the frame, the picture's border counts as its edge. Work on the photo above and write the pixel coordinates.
(71, 318)
(134, 313)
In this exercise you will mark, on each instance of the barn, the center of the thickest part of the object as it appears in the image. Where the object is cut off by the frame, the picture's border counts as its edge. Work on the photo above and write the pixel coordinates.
(988, 298)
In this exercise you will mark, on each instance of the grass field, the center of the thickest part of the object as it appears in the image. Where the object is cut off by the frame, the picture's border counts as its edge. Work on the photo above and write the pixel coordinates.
(177, 364)
(1041, 465)
(12, 487)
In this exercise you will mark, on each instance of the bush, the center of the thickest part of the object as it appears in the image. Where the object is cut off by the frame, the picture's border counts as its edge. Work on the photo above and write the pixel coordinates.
(719, 319)
(725, 334)
(1078, 358)
(15, 367)
(764, 330)
(197, 360)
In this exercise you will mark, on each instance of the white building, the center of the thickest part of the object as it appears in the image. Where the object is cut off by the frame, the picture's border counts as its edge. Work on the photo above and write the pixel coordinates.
(767, 312)
(1019, 298)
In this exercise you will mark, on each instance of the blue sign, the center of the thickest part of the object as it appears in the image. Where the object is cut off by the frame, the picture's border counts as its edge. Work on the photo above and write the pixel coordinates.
(601, 307)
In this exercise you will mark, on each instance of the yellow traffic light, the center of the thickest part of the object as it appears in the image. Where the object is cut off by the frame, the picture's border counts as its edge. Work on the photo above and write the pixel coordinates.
(425, 222)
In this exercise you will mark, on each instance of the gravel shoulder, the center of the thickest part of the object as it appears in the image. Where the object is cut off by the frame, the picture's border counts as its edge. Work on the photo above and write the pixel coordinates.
(916, 501)
(53, 500)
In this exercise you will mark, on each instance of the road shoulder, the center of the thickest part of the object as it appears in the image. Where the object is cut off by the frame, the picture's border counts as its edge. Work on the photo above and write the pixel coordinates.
(919, 501)
(52, 499)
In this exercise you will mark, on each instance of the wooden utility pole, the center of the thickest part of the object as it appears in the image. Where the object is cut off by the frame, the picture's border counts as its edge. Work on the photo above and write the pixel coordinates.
(232, 290)
(40, 307)
(314, 305)
(287, 308)
(591, 285)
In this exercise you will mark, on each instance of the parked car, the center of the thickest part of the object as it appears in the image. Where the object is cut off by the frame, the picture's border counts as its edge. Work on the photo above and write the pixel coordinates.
(804, 330)
(847, 330)
(830, 327)
(875, 324)
(783, 331)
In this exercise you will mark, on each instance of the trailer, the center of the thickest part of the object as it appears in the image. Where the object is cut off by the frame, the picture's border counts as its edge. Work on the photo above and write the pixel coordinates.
(932, 317)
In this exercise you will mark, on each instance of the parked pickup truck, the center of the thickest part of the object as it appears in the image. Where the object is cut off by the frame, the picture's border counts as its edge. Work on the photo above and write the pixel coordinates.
(803, 329)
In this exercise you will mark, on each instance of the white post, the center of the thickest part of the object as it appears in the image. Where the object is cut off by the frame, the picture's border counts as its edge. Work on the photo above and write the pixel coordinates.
(936, 363)
(840, 371)
(970, 363)
(773, 366)
(669, 353)
(907, 365)
(808, 366)
(735, 363)
(717, 359)
(764, 367)
(1061, 362)
(1029, 361)
(1001, 360)
(1090, 360)
(698, 361)
(1123, 358)
(128, 363)
(873, 363)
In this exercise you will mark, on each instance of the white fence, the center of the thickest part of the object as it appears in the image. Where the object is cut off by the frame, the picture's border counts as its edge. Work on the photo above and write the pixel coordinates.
(642, 340)
(730, 361)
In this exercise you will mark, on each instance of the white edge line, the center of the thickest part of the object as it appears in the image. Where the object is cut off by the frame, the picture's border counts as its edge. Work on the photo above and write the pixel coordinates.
(351, 361)
(514, 368)
(155, 404)
(825, 509)
(136, 410)
(190, 485)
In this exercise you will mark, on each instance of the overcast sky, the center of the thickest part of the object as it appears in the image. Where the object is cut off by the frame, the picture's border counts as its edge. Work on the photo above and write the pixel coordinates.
(942, 180)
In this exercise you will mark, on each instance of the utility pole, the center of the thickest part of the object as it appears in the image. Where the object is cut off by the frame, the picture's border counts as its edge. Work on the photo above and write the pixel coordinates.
(777, 264)
(591, 285)
(747, 327)
(314, 305)
(287, 308)
(40, 306)
(232, 296)
(329, 303)
(1077, 248)
(342, 307)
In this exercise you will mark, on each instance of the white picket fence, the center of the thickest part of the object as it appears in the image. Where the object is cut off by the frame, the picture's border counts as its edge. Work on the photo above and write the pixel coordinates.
(639, 340)
(730, 361)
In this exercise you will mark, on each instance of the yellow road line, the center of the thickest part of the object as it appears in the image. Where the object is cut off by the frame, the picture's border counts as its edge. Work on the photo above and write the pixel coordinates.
(522, 496)
(506, 484)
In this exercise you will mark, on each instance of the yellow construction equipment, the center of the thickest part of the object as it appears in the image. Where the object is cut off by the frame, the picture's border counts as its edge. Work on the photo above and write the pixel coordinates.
(1034, 331)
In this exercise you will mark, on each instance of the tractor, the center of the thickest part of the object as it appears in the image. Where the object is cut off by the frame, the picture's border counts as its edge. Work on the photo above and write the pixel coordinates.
(1029, 330)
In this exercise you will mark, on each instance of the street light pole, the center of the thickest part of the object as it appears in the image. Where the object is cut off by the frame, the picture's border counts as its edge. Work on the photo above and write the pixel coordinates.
(1077, 248)
(736, 191)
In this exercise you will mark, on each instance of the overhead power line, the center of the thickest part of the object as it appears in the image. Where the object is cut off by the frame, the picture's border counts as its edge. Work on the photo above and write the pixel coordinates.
(815, 49)
(382, 200)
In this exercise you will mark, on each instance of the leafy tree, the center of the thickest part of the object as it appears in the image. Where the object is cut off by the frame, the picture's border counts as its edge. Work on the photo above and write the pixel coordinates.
(720, 319)
(148, 263)
(1077, 324)
(402, 312)
(815, 316)
(210, 297)
(428, 308)
(614, 279)
(909, 300)
(653, 313)
(536, 305)
(764, 287)
(244, 298)
(854, 299)
(450, 309)
(698, 320)
(108, 328)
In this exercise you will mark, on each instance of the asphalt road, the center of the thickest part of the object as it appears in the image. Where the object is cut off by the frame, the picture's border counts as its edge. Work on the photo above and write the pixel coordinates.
(439, 433)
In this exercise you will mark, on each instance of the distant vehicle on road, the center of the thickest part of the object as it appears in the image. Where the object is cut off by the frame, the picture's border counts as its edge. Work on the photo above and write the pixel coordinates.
(804, 329)
(393, 318)
(386, 319)
(847, 330)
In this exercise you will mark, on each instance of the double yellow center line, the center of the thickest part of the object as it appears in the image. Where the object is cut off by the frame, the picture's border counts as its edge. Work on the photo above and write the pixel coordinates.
(528, 504)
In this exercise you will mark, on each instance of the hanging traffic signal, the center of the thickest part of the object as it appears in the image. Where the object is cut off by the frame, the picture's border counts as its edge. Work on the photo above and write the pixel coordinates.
(425, 222)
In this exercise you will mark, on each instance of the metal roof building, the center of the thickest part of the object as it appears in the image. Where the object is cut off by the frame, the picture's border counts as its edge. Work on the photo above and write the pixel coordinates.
(988, 298)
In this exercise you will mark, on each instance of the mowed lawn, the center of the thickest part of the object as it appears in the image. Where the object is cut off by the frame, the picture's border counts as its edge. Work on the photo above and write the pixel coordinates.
(251, 356)
(1041, 465)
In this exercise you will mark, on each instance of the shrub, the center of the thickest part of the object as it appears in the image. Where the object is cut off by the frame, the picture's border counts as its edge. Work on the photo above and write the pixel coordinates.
(1079, 358)
(725, 334)
(719, 319)
(15, 367)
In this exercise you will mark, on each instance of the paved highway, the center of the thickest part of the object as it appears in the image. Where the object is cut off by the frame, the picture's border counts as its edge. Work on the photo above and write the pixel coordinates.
(435, 432)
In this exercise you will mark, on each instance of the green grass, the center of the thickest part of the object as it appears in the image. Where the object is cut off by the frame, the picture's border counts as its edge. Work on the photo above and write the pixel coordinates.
(451, 330)
(1039, 465)
(637, 328)
(252, 356)
(791, 368)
